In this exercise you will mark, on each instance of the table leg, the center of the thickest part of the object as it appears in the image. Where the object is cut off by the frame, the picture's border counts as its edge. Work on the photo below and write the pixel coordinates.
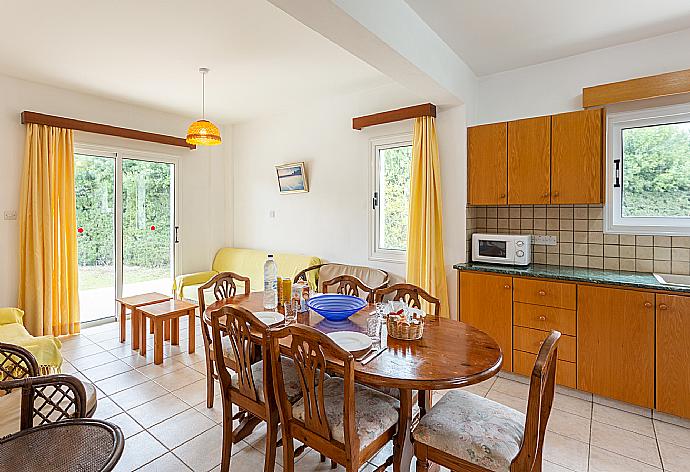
(157, 341)
(402, 446)
(424, 399)
(166, 330)
(135, 322)
(192, 336)
(142, 334)
(175, 331)
(123, 322)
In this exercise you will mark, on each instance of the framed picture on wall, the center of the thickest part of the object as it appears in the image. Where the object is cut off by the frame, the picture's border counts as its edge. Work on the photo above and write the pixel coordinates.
(292, 178)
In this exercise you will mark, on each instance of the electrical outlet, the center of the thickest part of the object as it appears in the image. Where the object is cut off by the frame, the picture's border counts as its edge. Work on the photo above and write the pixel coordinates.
(544, 240)
(10, 214)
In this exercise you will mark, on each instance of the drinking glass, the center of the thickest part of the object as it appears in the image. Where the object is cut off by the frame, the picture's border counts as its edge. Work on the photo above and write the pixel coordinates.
(374, 327)
(291, 309)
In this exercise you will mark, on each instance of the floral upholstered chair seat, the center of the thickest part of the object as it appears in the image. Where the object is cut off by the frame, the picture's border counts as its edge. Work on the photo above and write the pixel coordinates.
(292, 385)
(473, 428)
(375, 412)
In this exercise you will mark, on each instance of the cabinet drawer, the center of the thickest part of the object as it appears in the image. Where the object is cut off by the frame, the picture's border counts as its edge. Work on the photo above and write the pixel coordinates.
(566, 372)
(529, 340)
(545, 318)
(541, 292)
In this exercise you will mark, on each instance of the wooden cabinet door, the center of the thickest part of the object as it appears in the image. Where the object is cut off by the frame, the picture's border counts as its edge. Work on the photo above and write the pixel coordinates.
(615, 344)
(576, 157)
(486, 302)
(673, 354)
(529, 161)
(487, 164)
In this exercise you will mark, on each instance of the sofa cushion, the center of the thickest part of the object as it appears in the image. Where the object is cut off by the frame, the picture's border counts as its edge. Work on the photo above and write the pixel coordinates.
(473, 428)
(369, 276)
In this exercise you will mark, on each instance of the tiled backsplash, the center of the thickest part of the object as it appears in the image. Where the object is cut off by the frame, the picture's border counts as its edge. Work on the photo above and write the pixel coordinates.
(581, 241)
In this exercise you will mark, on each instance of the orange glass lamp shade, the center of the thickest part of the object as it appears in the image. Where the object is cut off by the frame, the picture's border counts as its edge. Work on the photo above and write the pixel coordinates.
(203, 133)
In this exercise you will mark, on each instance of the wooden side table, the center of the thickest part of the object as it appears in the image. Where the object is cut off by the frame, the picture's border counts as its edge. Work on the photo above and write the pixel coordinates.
(168, 311)
(133, 304)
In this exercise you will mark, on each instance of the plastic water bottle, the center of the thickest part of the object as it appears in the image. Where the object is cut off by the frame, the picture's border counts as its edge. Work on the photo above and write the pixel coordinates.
(270, 284)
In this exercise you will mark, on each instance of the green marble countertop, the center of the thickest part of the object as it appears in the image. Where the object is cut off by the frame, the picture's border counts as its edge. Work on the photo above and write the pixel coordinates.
(576, 274)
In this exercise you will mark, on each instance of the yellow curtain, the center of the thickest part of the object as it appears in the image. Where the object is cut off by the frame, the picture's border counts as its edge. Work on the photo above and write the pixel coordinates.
(48, 291)
(425, 262)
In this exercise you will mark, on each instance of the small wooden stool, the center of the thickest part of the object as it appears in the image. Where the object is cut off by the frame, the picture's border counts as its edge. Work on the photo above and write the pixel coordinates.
(169, 312)
(133, 304)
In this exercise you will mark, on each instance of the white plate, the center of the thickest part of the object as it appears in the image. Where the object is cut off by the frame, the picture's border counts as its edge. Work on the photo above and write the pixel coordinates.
(351, 340)
(269, 317)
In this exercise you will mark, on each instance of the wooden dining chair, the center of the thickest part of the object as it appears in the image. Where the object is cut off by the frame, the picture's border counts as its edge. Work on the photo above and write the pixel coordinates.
(466, 432)
(340, 419)
(369, 276)
(250, 387)
(349, 285)
(410, 294)
(223, 286)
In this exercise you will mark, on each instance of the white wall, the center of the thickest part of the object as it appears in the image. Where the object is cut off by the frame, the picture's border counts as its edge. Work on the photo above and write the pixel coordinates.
(331, 221)
(556, 86)
(202, 173)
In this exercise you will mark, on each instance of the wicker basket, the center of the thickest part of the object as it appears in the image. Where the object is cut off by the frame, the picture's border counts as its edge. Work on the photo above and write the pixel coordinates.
(404, 331)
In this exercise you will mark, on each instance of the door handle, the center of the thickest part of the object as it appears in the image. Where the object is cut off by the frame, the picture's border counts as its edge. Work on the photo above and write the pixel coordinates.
(177, 240)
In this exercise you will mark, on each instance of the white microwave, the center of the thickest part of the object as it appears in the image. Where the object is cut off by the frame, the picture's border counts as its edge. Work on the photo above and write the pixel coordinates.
(513, 249)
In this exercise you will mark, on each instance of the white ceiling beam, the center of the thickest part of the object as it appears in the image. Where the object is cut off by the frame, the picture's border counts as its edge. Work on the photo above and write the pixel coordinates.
(391, 37)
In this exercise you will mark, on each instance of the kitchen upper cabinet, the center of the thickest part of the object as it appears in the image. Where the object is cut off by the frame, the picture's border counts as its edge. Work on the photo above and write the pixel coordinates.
(486, 302)
(673, 354)
(529, 161)
(487, 164)
(615, 344)
(576, 157)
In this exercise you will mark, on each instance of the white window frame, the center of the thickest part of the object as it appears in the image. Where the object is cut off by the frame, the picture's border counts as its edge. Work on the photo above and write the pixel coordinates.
(614, 222)
(377, 253)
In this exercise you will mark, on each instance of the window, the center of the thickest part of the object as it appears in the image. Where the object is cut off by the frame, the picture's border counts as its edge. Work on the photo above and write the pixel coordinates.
(391, 161)
(648, 178)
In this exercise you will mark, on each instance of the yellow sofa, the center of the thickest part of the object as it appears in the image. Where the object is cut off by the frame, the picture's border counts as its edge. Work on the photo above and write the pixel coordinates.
(46, 349)
(246, 262)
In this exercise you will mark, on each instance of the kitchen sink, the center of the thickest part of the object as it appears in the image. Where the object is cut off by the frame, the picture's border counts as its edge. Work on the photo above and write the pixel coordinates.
(673, 279)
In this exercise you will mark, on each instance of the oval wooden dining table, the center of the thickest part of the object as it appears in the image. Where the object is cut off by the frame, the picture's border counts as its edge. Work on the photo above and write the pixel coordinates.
(451, 354)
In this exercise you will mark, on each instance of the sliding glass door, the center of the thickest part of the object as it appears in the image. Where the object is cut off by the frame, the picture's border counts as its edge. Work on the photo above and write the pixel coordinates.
(125, 227)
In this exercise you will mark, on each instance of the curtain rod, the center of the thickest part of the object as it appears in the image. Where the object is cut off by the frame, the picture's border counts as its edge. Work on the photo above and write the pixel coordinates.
(98, 128)
(426, 109)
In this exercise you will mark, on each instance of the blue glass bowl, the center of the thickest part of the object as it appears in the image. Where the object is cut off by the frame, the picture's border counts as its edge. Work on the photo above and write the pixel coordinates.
(335, 307)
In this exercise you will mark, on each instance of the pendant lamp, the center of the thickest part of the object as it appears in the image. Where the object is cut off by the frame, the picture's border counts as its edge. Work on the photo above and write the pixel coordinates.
(202, 132)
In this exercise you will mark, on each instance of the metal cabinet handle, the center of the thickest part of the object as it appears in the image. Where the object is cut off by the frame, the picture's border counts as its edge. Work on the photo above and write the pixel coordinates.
(541, 293)
(554, 194)
(663, 306)
(503, 195)
(542, 318)
(506, 286)
(545, 195)
(649, 305)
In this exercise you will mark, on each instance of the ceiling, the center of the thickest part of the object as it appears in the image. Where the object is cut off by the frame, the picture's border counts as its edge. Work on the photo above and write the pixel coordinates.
(498, 35)
(149, 52)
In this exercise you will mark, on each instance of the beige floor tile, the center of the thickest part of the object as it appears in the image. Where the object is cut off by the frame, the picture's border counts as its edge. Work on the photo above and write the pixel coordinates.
(551, 467)
(122, 381)
(195, 392)
(310, 461)
(74, 340)
(181, 428)
(199, 367)
(107, 335)
(510, 387)
(673, 434)
(68, 368)
(566, 452)
(215, 413)
(203, 452)
(157, 410)
(154, 371)
(106, 408)
(77, 352)
(623, 419)
(165, 463)
(189, 359)
(137, 360)
(574, 405)
(626, 443)
(250, 459)
(178, 379)
(482, 388)
(638, 410)
(140, 449)
(569, 425)
(94, 360)
(515, 403)
(138, 394)
(675, 458)
(127, 424)
(105, 371)
(112, 343)
(601, 460)
(123, 350)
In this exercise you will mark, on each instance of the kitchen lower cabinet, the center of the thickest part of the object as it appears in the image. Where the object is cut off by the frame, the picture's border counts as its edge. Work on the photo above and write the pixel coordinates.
(486, 302)
(615, 344)
(673, 354)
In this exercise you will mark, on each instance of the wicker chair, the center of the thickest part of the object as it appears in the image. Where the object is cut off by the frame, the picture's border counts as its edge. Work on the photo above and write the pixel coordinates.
(28, 400)
(224, 286)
